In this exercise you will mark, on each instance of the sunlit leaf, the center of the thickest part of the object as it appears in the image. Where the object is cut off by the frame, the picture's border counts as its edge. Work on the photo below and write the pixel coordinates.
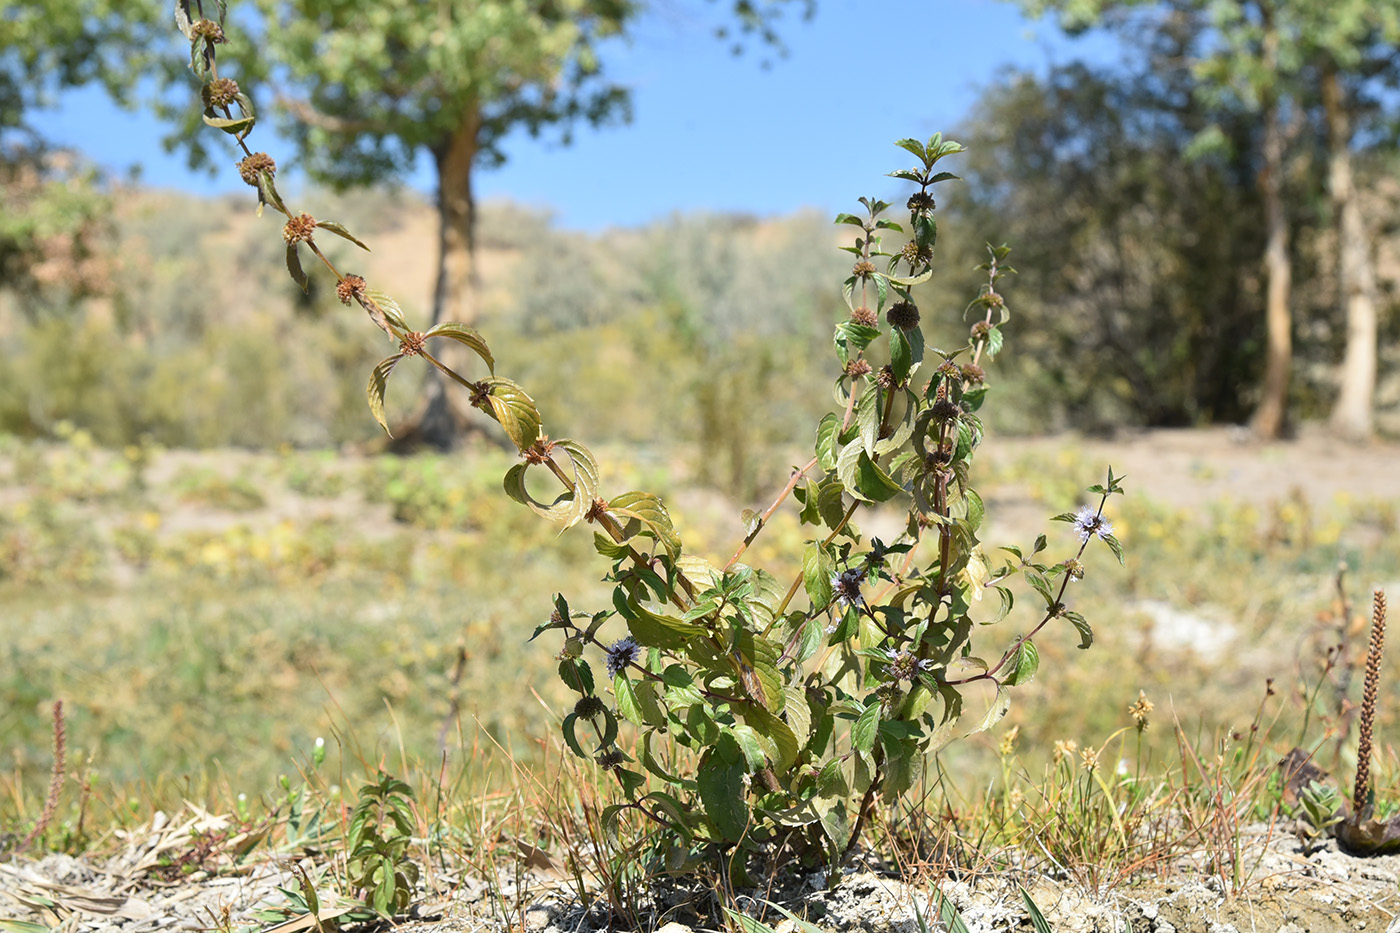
(514, 410)
(466, 336)
(378, 379)
(340, 231)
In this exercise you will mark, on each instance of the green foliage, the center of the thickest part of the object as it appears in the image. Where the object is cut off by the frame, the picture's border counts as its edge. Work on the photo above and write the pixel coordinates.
(771, 750)
(377, 844)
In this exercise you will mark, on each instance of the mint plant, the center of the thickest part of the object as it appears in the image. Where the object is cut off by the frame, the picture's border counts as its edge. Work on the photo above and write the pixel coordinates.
(762, 714)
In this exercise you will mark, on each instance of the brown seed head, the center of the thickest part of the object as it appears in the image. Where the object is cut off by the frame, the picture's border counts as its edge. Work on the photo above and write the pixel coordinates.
(950, 370)
(885, 378)
(539, 451)
(945, 409)
(589, 707)
(1140, 710)
(980, 330)
(916, 255)
(249, 167)
(209, 30)
(350, 288)
(866, 316)
(597, 510)
(974, 374)
(920, 202)
(611, 761)
(863, 269)
(299, 229)
(412, 343)
(857, 368)
(221, 92)
(903, 314)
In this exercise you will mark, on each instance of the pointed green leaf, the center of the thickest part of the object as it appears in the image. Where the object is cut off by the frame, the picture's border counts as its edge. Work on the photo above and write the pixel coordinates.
(340, 231)
(294, 267)
(514, 410)
(827, 444)
(650, 515)
(864, 731)
(863, 478)
(467, 337)
(818, 566)
(1001, 705)
(234, 126)
(1024, 665)
(722, 793)
(378, 379)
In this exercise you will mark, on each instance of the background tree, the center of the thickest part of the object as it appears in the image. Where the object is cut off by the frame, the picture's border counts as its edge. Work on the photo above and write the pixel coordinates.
(1275, 56)
(1138, 280)
(367, 85)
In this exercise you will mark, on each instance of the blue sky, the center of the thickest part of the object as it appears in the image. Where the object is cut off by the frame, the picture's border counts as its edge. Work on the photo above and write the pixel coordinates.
(710, 131)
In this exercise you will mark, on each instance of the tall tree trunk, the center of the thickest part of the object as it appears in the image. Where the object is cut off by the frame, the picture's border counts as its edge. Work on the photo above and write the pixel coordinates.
(1270, 419)
(1352, 416)
(443, 415)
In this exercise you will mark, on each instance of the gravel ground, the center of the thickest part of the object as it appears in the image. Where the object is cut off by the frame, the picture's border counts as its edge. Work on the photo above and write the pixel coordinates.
(1284, 890)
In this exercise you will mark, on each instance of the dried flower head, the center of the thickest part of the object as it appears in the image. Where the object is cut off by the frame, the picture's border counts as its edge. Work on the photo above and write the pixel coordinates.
(945, 410)
(1074, 569)
(949, 370)
(865, 316)
(1090, 758)
(589, 707)
(621, 654)
(611, 761)
(207, 29)
(1064, 750)
(863, 269)
(350, 288)
(903, 314)
(980, 330)
(412, 343)
(1140, 710)
(857, 368)
(220, 92)
(916, 255)
(885, 378)
(974, 374)
(1007, 744)
(249, 166)
(920, 202)
(1088, 522)
(299, 229)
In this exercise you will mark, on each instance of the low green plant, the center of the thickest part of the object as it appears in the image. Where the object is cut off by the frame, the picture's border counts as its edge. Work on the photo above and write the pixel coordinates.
(378, 867)
(743, 715)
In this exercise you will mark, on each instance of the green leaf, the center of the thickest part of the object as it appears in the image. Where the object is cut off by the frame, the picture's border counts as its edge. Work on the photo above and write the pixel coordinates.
(844, 218)
(722, 794)
(829, 503)
(907, 175)
(807, 495)
(388, 307)
(378, 379)
(234, 126)
(340, 231)
(912, 280)
(827, 444)
(818, 566)
(627, 706)
(1086, 634)
(509, 404)
(863, 478)
(576, 675)
(1038, 921)
(651, 517)
(654, 630)
(294, 267)
(466, 336)
(570, 506)
(1001, 705)
(913, 146)
(753, 521)
(867, 726)
(1024, 665)
(1115, 547)
(949, 916)
(835, 821)
(995, 339)
(22, 926)
(1041, 585)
